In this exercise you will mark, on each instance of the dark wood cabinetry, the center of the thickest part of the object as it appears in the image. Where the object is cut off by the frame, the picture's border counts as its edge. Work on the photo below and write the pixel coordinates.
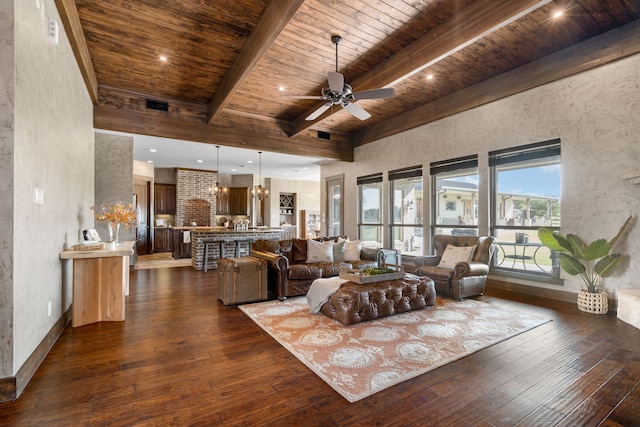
(180, 248)
(163, 240)
(165, 199)
(239, 201)
(234, 201)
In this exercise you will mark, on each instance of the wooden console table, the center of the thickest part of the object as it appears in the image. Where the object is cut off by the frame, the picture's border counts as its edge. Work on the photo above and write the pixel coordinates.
(100, 283)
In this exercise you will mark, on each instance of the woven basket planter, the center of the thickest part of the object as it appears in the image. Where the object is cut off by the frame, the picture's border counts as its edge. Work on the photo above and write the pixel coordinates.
(596, 303)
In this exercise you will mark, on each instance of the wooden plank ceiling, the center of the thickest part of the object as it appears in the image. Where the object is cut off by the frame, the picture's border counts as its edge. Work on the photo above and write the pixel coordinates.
(229, 61)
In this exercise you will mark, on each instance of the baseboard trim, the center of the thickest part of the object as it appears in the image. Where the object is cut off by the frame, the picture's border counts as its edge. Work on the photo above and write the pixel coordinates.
(553, 294)
(12, 387)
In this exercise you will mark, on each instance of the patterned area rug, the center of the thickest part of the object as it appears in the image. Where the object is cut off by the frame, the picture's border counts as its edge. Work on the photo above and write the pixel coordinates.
(362, 359)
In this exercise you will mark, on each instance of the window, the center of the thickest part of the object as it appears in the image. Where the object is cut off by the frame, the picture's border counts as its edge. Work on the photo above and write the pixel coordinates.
(525, 195)
(407, 210)
(334, 205)
(455, 196)
(370, 209)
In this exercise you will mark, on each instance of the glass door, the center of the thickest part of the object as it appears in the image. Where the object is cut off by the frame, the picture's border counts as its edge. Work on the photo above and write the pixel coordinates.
(334, 205)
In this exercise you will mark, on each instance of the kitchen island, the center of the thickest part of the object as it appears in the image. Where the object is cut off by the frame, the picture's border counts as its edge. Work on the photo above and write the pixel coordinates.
(229, 236)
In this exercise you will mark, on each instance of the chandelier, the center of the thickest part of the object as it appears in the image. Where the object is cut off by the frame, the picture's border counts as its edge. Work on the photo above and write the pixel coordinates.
(217, 191)
(259, 191)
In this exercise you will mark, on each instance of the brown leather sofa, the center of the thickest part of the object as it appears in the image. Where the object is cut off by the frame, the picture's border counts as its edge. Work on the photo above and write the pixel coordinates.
(354, 303)
(290, 274)
(465, 279)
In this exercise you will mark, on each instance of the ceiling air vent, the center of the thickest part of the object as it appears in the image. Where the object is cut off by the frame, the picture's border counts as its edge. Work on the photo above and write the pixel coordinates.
(157, 105)
(324, 135)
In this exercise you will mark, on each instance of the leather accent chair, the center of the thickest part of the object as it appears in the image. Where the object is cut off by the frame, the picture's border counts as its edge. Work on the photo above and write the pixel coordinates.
(466, 279)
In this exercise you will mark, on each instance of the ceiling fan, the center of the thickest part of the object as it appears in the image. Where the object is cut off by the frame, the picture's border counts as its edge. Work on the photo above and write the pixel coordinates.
(340, 93)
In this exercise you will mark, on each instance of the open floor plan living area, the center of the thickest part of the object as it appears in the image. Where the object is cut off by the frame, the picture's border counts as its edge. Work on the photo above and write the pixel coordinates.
(320, 212)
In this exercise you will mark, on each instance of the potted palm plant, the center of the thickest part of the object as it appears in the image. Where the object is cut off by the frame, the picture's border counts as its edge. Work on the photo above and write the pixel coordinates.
(592, 262)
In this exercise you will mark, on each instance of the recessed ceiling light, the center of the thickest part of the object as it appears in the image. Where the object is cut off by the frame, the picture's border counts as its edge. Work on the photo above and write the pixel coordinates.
(233, 170)
(199, 161)
(163, 58)
(153, 150)
(249, 161)
(281, 88)
(429, 76)
(149, 161)
(558, 13)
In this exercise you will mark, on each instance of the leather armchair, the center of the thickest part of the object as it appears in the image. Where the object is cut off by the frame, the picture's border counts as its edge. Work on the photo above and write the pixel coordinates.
(466, 279)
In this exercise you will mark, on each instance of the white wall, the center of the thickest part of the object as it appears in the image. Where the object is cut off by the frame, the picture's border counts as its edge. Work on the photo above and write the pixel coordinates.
(597, 116)
(52, 150)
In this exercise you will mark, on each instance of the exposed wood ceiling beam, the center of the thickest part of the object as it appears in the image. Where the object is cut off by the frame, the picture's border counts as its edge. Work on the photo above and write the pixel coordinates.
(466, 27)
(611, 46)
(273, 20)
(71, 21)
(189, 130)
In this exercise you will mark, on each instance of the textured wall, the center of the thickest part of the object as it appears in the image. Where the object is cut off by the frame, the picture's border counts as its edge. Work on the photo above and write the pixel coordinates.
(597, 116)
(53, 151)
(307, 198)
(114, 176)
(7, 98)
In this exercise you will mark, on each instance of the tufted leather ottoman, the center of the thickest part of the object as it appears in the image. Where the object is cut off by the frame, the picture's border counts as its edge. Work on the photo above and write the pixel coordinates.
(354, 303)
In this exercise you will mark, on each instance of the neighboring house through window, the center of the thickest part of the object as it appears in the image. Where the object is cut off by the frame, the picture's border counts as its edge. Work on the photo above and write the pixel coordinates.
(454, 196)
(407, 214)
(370, 209)
(525, 196)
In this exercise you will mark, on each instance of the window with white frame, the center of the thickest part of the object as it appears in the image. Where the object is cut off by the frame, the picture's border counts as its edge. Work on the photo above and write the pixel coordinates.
(454, 196)
(407, 214)
(525, 196)
(370, 209)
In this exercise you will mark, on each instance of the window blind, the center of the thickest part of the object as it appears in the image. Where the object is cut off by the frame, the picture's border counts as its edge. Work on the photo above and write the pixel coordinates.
(369, 179)
(538, 150)
(410, 172)
(459, 163)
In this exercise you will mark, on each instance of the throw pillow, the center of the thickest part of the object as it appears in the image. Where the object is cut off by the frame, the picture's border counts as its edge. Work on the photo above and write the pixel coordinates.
(319, 251)
(455, 254)
(338, 250)
(352, 250)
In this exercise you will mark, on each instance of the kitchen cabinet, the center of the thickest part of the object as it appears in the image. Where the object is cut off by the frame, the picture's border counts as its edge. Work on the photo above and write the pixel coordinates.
(180, 248)
(239, 201)
(163, 240)
(165, 199)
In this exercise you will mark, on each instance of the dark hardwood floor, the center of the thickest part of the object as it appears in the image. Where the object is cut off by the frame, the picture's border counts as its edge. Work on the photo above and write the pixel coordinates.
(182, 358)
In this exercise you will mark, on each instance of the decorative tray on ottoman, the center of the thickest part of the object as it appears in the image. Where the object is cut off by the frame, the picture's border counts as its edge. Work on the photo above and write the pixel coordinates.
(370, 275)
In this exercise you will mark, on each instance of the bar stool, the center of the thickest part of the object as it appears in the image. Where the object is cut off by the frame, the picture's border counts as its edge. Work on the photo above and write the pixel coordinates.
(207, 243)
(238, 246)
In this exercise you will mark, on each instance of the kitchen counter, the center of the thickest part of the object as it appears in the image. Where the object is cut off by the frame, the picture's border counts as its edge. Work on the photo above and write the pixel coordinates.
(204, 228)
(229, 236)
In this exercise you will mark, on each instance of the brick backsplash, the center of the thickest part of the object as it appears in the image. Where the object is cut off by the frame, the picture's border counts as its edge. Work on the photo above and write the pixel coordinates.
(193, 201)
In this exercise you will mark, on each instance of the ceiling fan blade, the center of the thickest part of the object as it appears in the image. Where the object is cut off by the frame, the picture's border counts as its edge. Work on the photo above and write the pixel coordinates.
(374, 93)
(319, 111)
(336, 82)
(356, 110)
(302, 97)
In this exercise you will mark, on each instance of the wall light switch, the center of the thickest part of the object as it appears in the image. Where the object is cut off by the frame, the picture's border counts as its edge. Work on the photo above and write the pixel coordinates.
(52, 31)
(39, 196)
